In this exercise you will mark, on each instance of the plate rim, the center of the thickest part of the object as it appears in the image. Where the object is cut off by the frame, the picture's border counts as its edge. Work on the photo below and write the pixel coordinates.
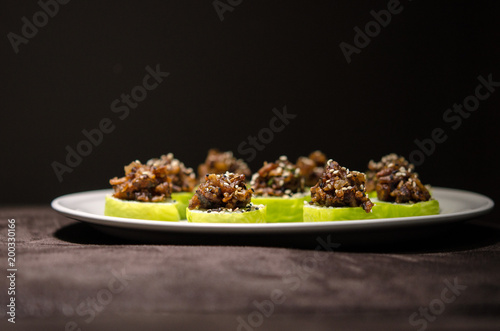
(487, 204)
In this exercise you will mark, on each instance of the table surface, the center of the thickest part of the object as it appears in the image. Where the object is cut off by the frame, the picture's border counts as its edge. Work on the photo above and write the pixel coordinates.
(71, 276)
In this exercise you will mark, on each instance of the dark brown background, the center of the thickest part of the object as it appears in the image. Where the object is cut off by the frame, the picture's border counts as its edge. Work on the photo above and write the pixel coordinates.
(225, 78)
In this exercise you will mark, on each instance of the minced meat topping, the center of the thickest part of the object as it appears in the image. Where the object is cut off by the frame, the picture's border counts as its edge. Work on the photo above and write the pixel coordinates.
(312, 167)
(143, 183)
(280, 178)
(227, 191)
(221, 162)
(339, 187)
(401, 185)
(183, 179)
(374, 167)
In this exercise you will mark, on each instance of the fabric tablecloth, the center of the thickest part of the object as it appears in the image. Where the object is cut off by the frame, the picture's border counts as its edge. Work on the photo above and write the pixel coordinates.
(70, 276)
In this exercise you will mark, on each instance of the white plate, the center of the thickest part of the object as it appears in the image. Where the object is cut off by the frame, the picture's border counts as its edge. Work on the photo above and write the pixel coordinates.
(456, 205)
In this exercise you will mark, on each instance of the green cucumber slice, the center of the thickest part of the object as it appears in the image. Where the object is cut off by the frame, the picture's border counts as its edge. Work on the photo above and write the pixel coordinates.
(183, 202)
(314, 213)
(391, 209)
(307, 194)
(202, 216)
(156, 211)
(373, 194)
(281, 209)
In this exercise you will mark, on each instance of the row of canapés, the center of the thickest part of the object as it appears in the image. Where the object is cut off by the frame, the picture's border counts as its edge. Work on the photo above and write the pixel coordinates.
(164, 189)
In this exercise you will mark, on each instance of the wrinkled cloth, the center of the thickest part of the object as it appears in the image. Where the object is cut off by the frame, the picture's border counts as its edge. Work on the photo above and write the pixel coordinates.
(72, 275)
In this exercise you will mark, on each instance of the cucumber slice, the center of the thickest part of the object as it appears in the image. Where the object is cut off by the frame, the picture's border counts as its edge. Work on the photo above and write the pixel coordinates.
(391, 209)
(307, 194)
(313, 213)
(281, 209)
(183, 202)
(157, 211)
(373, 194)
(203, 216)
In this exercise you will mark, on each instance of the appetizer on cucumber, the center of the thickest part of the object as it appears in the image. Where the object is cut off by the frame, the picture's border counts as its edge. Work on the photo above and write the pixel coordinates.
(143, 193)
(401, 192)
(398, 192)
(375, 167)
(224, 198)
(338, 195)
(311, 167)
(183, 180)
(280, 186)
(218, 162)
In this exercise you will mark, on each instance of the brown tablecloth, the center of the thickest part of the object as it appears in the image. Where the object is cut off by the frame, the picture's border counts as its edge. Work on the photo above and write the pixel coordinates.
(71, 276)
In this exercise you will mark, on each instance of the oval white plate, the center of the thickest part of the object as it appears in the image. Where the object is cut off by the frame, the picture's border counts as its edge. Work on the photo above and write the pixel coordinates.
(456, 205)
